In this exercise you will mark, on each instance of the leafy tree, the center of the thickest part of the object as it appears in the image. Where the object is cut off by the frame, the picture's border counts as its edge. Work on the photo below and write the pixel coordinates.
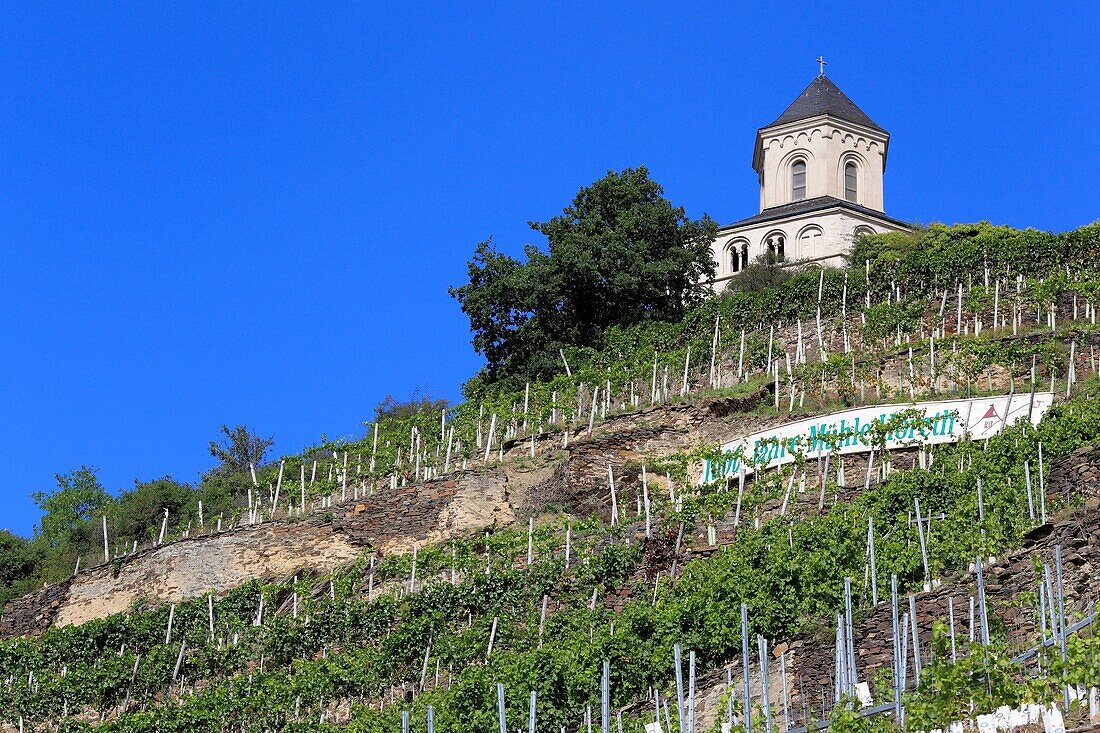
(18, 561)
(620, 254)
(495, 302)
(136, 514)
(219, 494)
(78, 497)
(242, 447)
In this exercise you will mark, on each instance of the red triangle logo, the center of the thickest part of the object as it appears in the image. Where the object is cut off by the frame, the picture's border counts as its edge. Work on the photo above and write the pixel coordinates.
(990, 413)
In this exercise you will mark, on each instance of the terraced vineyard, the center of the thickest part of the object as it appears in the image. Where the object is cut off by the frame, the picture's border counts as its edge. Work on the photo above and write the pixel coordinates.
(552, 550)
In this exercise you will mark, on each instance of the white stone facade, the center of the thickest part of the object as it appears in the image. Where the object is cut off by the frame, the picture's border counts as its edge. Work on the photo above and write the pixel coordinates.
(817, 237)
(829, 149)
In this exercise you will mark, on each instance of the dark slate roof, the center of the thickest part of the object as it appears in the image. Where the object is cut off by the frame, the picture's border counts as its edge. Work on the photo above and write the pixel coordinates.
(822, 97)
(806, 206)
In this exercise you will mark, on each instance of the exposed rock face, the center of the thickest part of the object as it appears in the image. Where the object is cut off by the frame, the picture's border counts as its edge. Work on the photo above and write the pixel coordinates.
(182, 570)
(189, 568)
(427, 513)
(459, 504)
(388, 522)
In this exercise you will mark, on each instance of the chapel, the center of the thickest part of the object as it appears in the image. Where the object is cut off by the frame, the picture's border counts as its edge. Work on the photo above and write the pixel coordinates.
(820, 168)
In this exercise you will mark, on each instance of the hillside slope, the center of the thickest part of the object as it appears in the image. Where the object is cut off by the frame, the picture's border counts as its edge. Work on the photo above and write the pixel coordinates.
(525, 539)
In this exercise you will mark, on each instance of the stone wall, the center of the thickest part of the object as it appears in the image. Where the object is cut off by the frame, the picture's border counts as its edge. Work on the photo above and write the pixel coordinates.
(575, 477)
(889, 362)
(1006, 581)
(572, 477)
(626, 440)
(34, 612)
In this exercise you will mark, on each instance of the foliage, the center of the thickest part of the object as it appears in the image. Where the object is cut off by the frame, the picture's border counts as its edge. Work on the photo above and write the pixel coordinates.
(77, 498)
(620, 254)
(19, 558)
(941, 256)
(130, 514)
(984, 679)
(761, 274)
(242, 448)
(390, 409)
(624, 362)
(288, 672)
(846, 718)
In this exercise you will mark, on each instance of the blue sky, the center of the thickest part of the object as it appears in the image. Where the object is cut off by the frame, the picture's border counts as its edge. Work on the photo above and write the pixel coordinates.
(230, 214)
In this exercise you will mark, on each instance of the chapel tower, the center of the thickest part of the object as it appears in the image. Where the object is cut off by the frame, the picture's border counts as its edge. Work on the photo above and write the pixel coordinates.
(820, 168)
(822, 145)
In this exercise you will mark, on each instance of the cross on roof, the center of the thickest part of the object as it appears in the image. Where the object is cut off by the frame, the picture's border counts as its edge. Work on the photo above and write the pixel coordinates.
(821, 62)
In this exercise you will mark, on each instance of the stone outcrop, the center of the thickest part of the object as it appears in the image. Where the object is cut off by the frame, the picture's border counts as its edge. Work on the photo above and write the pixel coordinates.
(434, 511)
(181, 570)
(388, 522)
(391, 521)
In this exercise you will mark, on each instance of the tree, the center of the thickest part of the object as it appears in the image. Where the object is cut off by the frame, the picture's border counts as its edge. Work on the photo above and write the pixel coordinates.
(620, 254)
(243, 447)
(494, 303)
(78, 498)
(136, 514)
(18, 561)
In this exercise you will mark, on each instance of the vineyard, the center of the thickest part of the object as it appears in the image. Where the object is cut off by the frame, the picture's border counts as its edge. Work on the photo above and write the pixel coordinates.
(548, 558)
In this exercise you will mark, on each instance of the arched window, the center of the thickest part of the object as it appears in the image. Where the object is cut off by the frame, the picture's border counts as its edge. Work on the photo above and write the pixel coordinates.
(776, 244)
(734, 256)
(798, 180)
(809, 243)
(851, 177)
(738, 253)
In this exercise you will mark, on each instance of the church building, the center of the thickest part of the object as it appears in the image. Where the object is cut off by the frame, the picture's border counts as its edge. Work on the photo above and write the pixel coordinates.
(820, 165)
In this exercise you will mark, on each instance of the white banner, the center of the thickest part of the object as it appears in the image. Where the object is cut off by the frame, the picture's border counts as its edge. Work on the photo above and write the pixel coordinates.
(942, 421)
